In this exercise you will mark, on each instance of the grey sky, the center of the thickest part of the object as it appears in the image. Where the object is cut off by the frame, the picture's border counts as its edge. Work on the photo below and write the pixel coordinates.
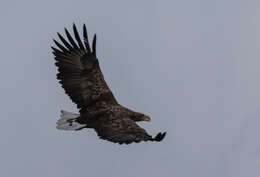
(193, 66)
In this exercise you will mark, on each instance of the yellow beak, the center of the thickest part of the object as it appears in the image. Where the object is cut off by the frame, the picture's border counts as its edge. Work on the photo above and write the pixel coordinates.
(147, 118)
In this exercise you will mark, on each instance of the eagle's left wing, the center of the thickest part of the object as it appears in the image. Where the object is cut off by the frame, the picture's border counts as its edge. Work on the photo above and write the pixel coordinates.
(79, 71)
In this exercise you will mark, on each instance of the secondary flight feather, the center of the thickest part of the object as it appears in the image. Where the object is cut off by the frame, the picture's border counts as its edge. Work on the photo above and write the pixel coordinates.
(80, 75)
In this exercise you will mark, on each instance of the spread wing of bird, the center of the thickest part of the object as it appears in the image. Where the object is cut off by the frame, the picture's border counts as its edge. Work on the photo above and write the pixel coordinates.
(81, 77)
(124, 130)
(79, 71)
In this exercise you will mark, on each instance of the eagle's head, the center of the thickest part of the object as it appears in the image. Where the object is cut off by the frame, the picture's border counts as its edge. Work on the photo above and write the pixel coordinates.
(140, 117)
(146, 118)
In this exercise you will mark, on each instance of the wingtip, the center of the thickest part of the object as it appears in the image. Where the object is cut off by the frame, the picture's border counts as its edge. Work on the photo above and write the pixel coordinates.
(95, 38)
(85, 32)
(85, 38)
(66, 31)
(60, 36)
(94, 44)
(53, 48)
(160, 136)
(54, 40)
(74, 26)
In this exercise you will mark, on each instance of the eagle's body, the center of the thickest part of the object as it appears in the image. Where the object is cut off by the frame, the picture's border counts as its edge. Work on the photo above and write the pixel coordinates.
(82, 79)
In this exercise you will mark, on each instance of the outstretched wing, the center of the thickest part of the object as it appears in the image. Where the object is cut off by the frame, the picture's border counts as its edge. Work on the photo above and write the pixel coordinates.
(124, 130)
(78, 70)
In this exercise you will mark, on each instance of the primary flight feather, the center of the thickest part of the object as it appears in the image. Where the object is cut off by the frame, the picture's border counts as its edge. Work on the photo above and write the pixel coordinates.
(81, 77)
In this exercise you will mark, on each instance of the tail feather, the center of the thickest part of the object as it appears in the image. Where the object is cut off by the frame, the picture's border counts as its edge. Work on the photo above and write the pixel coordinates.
(68, 121)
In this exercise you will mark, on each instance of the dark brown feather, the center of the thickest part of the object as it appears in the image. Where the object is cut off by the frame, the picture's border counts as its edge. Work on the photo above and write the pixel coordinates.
(78, 38)
(85, 35)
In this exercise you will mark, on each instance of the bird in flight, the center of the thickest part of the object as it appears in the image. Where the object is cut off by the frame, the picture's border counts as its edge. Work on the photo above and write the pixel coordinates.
(80, 75)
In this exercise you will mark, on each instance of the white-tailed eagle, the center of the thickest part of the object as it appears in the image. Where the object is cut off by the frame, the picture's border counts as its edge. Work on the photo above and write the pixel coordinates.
(81, 77)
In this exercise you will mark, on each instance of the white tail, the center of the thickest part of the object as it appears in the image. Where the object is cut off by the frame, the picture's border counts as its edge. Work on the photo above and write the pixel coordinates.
(68, 121)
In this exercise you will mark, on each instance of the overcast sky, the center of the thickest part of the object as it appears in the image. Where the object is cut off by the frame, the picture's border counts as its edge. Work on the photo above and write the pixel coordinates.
(192, 65)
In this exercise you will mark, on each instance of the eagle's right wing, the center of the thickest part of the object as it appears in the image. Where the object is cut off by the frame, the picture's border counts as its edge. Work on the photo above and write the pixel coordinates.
(79, 71)
(124, 131)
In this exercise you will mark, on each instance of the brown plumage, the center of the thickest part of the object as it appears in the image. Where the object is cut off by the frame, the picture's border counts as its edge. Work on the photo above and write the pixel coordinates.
(81, 77)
